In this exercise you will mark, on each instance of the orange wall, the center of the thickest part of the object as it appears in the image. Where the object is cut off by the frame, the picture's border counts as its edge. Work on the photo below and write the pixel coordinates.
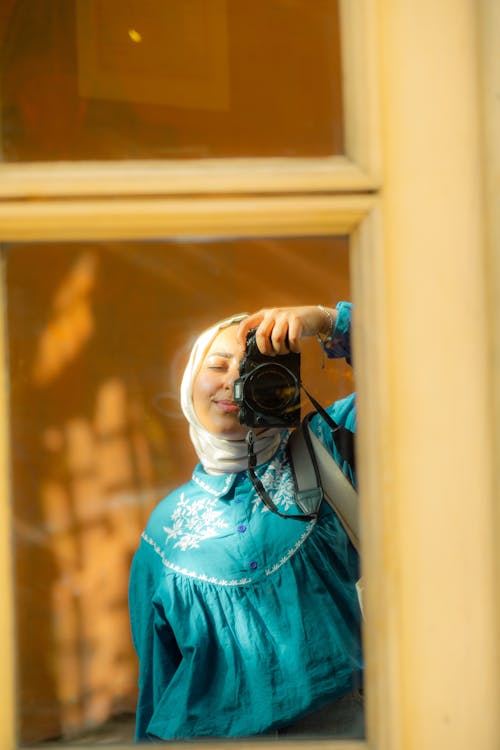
(104, 79)
(98, 336)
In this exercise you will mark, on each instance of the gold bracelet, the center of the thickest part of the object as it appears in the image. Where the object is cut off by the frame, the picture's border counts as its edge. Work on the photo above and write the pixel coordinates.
(329, 336)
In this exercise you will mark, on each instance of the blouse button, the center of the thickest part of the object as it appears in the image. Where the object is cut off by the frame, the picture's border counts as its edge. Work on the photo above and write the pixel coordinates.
(242, 528)
(253, 565)
(238, 500)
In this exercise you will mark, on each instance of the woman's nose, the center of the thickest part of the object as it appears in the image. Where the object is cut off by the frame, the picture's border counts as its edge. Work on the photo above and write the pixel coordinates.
(232, 374)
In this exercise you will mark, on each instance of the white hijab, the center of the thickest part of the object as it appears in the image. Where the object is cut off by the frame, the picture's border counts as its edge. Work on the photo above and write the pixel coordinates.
(220, 455)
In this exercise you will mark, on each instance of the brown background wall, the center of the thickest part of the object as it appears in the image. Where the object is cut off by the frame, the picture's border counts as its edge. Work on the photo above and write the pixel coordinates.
(114, 79)
(98, 337)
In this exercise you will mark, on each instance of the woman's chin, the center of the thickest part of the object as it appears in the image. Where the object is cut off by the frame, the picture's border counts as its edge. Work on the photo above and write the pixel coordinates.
(239, 433)
(229, 429)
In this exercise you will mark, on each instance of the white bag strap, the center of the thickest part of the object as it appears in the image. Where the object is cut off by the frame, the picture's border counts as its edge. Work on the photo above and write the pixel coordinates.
(318, 475)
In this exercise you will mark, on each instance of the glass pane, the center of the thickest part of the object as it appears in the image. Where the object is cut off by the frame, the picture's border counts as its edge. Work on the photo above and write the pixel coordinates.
(139, 79)
(99, 335)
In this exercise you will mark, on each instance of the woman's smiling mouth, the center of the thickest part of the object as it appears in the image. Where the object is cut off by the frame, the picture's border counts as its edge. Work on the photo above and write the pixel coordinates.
(227, 406)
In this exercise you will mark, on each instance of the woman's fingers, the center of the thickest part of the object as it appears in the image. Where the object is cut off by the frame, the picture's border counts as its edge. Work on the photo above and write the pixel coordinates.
(247, 324)
(278, 330)
(295, 333)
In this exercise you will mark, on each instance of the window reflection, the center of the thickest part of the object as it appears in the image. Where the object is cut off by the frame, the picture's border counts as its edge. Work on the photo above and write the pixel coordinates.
(108, 79)
(98, 336)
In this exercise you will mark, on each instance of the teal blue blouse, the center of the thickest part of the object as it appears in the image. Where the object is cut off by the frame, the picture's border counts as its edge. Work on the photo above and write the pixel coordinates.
(244, 621)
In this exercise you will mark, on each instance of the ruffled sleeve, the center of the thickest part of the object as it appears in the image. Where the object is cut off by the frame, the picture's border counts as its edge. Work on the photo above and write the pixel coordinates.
(153, 639)
(343, 411)
(339, 343)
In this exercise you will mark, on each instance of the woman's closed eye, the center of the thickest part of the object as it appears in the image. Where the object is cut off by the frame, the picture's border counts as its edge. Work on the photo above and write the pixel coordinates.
(219, 362)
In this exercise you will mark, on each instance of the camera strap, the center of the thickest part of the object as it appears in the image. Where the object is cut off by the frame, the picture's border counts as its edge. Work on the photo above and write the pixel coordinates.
(313, 468)
(264, 495)
(342, 437)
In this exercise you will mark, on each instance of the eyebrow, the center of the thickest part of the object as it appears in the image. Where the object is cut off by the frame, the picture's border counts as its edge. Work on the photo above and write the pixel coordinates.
(226, 355)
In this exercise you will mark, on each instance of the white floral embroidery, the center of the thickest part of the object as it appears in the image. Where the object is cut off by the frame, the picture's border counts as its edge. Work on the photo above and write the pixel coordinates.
(194, 522)
(278, 481)
(310, 526)
(193, 573)
(223, 581)
(207, 488)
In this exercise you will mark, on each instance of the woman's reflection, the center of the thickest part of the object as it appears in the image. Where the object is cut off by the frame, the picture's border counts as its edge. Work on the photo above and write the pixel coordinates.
(245, 622)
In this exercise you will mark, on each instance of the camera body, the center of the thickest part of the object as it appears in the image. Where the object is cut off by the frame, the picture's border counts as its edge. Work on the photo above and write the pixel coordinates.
(268, 389)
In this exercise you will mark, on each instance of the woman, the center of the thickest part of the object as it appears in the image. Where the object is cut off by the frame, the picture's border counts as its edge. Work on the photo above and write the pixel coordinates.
(246, 623)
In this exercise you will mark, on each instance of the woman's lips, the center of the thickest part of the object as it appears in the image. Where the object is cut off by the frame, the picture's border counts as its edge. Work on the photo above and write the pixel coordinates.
(227, 406)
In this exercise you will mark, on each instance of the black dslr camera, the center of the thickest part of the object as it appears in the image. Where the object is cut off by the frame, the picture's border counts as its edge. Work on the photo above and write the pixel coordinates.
(268, 389)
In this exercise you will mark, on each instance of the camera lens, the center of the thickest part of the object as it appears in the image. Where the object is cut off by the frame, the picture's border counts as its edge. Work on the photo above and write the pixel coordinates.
(272, 388)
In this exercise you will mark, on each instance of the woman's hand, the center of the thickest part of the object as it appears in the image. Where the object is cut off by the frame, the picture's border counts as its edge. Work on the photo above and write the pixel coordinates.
(280, 329)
